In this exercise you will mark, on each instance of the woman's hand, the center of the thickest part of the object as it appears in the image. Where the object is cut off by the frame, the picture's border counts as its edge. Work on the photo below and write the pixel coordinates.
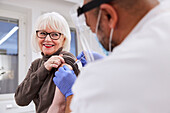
(54, 62)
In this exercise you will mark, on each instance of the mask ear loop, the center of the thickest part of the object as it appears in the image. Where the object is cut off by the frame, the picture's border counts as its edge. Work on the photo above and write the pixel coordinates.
(111, 32)
(110, 40)
(98, 19)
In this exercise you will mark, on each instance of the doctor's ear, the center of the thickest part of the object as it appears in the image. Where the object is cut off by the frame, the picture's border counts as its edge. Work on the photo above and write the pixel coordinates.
(110, 13)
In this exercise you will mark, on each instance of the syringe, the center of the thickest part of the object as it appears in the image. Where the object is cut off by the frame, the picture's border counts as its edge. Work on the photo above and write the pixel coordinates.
(78, 60)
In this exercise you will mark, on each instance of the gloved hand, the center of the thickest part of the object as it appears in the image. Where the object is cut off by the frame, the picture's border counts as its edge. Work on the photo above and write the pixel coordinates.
(64, 80)
(82, 58)
(97, 56)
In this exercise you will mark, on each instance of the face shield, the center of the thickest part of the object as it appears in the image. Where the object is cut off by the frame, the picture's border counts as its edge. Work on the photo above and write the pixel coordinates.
(84, 34)
(88, 39)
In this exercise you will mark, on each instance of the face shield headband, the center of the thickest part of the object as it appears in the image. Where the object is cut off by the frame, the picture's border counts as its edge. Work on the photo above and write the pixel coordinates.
(89, 6)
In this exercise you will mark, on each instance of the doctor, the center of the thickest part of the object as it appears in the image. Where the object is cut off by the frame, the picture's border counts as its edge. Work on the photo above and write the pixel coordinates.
(135, 77)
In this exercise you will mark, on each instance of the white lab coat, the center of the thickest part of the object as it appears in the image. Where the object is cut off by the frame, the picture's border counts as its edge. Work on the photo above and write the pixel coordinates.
(135, 78)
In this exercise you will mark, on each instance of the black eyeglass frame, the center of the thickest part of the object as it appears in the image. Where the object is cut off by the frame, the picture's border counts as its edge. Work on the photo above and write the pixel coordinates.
(89, 6)
(48, 34)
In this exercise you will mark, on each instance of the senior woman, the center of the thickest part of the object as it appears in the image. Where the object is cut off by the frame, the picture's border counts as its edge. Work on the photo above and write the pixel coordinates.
(52, 38)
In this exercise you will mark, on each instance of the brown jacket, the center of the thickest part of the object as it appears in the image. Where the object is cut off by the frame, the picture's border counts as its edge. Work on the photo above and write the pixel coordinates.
(38, 84)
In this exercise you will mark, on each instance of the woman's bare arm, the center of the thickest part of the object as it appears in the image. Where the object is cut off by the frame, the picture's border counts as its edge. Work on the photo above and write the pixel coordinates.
(60, 104)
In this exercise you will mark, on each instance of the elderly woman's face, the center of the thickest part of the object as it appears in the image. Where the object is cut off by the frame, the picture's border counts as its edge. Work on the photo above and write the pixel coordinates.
(49, 46)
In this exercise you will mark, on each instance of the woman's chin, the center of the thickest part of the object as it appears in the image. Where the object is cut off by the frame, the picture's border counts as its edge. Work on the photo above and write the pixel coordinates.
(48, 52)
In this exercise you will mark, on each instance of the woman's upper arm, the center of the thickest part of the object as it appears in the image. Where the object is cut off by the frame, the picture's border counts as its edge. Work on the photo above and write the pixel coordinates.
(30, 86)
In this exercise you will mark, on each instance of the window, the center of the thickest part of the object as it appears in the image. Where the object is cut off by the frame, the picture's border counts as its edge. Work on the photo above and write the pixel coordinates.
(73, 48)
(8, 55)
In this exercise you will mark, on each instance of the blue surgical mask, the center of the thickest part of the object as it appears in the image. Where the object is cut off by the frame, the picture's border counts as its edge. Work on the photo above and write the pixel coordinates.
(101, 46)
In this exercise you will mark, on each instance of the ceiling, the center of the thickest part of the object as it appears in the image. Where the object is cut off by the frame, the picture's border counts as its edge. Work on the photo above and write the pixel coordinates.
(68, 1)
(74, 1)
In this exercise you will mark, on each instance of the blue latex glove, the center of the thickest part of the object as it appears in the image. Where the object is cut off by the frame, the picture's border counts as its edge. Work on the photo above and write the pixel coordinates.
(64, 80)
(82, 58)
(97, 56)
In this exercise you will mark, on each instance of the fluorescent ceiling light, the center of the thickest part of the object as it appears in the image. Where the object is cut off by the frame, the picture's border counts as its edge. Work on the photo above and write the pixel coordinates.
(9, 34)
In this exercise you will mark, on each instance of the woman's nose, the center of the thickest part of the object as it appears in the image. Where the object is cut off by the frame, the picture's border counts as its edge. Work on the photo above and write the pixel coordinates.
(48, 38)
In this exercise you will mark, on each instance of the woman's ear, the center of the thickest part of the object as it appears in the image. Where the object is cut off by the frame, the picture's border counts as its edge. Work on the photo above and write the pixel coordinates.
(64, 40)
(111, 14)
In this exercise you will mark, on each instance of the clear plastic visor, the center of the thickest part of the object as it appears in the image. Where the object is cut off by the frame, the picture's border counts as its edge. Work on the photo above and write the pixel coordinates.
(86, 37)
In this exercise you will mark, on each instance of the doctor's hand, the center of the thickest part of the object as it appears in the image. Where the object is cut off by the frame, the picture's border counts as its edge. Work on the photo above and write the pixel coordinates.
(64, 80)
(82, 58)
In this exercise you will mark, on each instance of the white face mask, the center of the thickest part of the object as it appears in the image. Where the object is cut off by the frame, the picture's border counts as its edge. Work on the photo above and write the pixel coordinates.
(110, 39)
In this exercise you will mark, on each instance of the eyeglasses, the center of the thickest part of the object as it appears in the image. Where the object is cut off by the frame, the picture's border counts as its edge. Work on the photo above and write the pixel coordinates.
(89, 6)
(53, 35)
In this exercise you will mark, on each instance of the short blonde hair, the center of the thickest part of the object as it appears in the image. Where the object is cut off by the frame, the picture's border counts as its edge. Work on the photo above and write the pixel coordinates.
(52, 21)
